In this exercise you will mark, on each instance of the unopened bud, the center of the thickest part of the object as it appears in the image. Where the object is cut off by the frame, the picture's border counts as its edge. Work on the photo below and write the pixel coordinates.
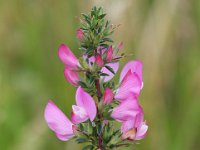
(109, 54)
(99, 60)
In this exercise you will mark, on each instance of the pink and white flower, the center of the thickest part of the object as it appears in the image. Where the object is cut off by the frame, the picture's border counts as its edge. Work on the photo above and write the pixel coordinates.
(58, 122)
(130, 114)
(135, 128)
(85, 107)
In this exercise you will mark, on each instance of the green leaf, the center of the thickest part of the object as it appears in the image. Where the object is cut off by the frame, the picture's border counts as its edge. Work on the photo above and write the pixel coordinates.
(81, 140)
(82, 84)
(107, 24)
(102, 16)
(88, 147)
(103, 74)
(110, 69)
(83, 63)
(88, 128)
(104, 45)
(116, 138)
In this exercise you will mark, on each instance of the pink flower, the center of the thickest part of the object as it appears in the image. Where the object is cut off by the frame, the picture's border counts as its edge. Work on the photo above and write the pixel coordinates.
(79, 34)
(99, 61)
(126, 109)
(109, 54)
(135, 128)
(108, 96)
(58, 122)
(134, 66)
(67, 57)
(85, 107)
(130, 114)
(130, 85)
(71, 76)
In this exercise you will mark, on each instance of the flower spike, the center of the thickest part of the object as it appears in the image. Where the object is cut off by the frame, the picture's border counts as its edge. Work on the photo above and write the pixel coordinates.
(99, 100)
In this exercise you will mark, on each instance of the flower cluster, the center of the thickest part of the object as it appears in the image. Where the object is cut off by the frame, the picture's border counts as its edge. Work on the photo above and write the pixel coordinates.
(101, 105)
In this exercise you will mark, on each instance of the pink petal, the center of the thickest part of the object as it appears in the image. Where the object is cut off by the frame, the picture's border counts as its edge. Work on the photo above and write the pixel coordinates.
(99, 61)
(139, 119)
(71, 76)
(126, 109)
(130, 85)
(134, 66)
(67, 57)
(141, 131)
(108, 96)
(114, 66)
(133, 121)
(127, 125)
(57, 121)
(79, 114)
(64, 137)
(109, 54)
(120, 46)
(84, 100)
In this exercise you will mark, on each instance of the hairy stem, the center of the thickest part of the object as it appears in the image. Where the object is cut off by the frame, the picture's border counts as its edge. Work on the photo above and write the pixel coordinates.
(100, 141)
(98, 88)
(97, 84)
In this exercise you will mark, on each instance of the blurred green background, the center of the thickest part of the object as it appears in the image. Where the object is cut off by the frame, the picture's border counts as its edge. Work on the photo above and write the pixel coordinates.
(164, 34)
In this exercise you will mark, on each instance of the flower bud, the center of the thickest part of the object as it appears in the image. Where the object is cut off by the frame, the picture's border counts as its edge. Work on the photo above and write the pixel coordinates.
(71, 76)
(105, 122)
(120, 46)
(108, 96)
(67, 57)
(99, 61)
(109, 54)
(79, 34)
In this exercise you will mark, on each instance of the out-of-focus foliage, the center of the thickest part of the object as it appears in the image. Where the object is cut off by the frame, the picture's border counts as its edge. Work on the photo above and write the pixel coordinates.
(165, 35)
